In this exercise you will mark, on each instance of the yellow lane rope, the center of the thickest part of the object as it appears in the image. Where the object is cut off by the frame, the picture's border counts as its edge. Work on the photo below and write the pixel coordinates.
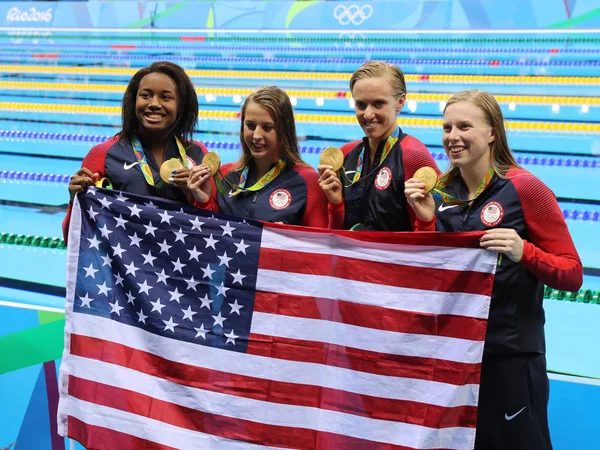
(329, 76)
(306, 93)
(564, 127)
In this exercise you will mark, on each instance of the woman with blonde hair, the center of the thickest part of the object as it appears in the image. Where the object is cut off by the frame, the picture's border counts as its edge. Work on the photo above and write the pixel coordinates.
(485, 190)
(270, 182)
(369, 192)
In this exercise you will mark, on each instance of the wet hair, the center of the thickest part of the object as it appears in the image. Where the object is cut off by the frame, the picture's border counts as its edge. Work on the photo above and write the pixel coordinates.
(376, 69)
(187, 102)
(279, 106)
(501, 156)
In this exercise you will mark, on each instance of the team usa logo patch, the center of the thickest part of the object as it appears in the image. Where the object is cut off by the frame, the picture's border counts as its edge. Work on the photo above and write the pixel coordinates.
(383, 178)
(280, 199)
(492, 214)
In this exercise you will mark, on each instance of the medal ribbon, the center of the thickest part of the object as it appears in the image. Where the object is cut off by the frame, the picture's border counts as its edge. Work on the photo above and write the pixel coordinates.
(387, 148)
(241, 186)
(140, 156)
(447, 179)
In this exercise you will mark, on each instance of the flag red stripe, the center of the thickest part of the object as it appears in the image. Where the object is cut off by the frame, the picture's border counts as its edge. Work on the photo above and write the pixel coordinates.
(386, 364)
(273, 391)
(370, 316)
(213, 424)
(93, 437)
(411, 277)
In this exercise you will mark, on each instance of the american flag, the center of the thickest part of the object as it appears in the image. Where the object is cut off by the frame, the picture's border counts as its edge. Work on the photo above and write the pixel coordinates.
(188, 329)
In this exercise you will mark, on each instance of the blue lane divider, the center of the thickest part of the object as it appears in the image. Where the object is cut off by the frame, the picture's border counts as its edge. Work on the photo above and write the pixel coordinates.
(352, 61)
(573, 214)
(219, 145)
(209, 47)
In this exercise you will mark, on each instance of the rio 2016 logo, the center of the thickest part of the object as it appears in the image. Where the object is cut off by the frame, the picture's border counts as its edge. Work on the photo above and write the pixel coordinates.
(354, 14)
(31, 15)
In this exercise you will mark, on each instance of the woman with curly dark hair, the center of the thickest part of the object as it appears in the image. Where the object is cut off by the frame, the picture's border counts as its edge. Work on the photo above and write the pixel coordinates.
(160, 110)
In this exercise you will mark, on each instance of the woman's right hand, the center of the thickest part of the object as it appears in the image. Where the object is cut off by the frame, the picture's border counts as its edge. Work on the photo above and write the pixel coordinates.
(80, 181)
(199, 183)
(422, 204)
(331, 184)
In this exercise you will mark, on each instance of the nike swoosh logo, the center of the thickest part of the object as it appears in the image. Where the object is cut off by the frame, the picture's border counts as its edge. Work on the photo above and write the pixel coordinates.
(129, 166)
(507, 417)
(444, 208)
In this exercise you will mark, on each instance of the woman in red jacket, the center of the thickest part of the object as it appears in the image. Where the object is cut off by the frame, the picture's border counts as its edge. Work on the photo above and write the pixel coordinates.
(522, 221)
(270, 182)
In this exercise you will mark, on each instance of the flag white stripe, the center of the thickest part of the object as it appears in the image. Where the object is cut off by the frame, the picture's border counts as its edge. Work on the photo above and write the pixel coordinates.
(397, 433)
(409, 389)
(404, 299)
(390, 342)
(438, 257)
(150, 429)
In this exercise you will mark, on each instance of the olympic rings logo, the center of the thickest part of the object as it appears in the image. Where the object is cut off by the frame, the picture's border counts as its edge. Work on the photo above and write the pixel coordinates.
(352, 14)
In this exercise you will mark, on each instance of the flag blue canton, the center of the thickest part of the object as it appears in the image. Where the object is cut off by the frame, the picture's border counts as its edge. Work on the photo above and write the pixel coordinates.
(179, 272)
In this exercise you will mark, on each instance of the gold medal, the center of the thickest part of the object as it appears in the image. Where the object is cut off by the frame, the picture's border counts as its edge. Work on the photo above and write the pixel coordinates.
(167, 168)
(428, 176)
(212, 161)
(332, 156)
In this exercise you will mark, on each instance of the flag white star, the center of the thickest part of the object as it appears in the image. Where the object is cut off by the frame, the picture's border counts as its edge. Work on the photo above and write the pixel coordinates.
(206, 302)
(118, 279)
(131, 268)
(91, 191)
(170, 325)
(188, 313)
(103, 288)
(178, 265)
(221, 290)
(94, 242)
(85, 301)
(224, 259)
(90, 271)
(227, 229)
(180, 235)
(238, 277)
(219, 319)
(105, 203)
(150, 229)
(162, 277)
(164, 247)
(148, 258)
(157, 306)
(210, 242)
(121, 198)
(175, 295)
(145, 287)
(135, 240)
(150, 205)
(165, 217)
(107, 260)
(115, 308)
(191, 283)
(231, 337)
(92, 213)
(121, 222)
(235, 307)
(201, 331)
(117, 250)
(194, 254)
(241, 247)
(104, 231)
(141, 316)
(130, 298)
(135, 211)
(207, 272)
(196, 224)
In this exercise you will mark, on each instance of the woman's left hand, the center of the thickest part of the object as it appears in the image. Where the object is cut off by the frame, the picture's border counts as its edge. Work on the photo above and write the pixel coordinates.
(503, 240)
(179, 178)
